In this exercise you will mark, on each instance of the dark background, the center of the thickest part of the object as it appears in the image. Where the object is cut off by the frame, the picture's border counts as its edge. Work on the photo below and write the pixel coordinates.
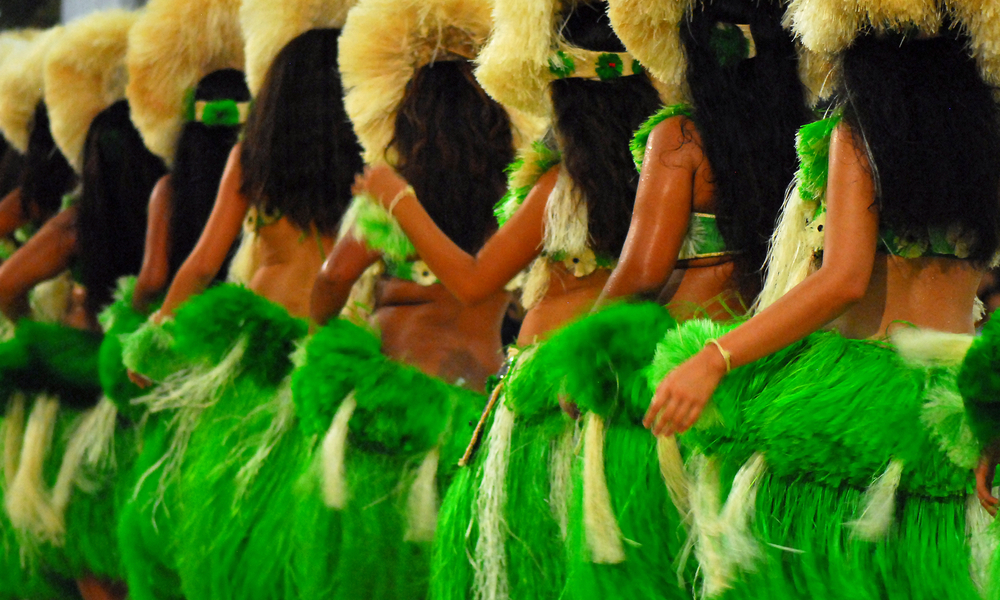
(28, 13)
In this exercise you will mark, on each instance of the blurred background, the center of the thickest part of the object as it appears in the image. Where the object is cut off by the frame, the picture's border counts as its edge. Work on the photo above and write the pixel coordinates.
(45, 13)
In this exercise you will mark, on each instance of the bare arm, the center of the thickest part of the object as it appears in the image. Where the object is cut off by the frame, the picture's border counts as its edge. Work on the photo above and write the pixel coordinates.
(471, 279)
(156, 258)
(848, 258)
(209, 254)
(660, 216)
(47, 254)
(11, 213)
(342, 268)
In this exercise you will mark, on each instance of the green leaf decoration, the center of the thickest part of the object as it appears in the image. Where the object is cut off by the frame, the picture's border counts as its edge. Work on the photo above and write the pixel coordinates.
(609, 66)
(561, 64)
(728, 44)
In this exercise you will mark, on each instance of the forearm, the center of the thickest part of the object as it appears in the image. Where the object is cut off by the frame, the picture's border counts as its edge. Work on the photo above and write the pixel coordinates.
(328, 299)
(190, 281)
(809, 307)
(147, 286)
(629, 281)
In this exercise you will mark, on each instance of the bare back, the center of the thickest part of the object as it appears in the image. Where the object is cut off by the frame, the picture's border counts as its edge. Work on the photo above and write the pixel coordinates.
(289, 261)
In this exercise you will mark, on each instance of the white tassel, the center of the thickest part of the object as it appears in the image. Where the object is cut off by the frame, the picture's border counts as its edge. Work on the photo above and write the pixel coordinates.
(282, 421)
(422, 504)
(674, 476)
(790, 255)
(28, 503)
(982, 542)
(879, 504)
(705, 526)
(490, 556)
(334, 449)
(927, 347)
(566, 218)
(92, 445)
(535, 282)
(741, 548)
(604, 538)
(561, 479)
(13, 432)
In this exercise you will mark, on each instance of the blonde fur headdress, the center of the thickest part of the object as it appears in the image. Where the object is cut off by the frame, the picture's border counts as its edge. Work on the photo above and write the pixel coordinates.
(270, 24)
(385, 41)
(827, 27)
(22, 87)
(175, 44)
(84, 74)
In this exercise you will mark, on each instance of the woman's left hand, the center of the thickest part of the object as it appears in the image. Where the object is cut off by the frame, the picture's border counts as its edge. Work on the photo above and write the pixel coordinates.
(684, 392)
(381, 182)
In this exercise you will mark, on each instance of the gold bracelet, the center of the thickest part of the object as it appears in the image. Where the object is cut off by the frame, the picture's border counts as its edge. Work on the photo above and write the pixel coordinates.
(408, 190)
(726, 356)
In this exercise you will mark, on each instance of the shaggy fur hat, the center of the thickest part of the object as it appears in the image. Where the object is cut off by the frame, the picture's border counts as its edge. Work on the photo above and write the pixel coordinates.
(22, 85)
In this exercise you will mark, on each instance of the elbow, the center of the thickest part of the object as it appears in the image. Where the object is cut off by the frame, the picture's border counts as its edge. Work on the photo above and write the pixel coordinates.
(470, 297)
(847, 288)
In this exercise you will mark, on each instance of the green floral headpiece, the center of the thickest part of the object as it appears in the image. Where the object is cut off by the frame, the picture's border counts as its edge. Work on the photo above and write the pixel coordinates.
(587, 64)
(732, 42)
(225, 112)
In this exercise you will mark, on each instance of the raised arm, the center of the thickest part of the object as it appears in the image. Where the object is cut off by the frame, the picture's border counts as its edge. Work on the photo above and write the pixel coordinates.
(153, 276)
(851, 235)
(342, 268)
(47, 254)
(223, 227)
(471, 279)
(661, 213)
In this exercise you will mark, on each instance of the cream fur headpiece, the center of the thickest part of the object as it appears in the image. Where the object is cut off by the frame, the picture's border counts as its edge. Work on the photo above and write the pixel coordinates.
(827, 27)
(175, 44)
(84, 74)
(22, 85)
(385, 41)
(270, 24)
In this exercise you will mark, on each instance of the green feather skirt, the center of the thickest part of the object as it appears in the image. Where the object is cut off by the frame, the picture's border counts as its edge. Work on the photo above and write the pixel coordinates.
(829, 416)
(366, 549)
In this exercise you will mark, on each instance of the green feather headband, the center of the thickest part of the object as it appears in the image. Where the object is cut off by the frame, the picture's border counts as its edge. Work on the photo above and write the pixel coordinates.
(586, 64)
(224, 112)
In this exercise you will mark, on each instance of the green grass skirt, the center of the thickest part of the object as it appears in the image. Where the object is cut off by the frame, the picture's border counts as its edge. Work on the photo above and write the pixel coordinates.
(830, 415)
(401, 417)
(227, 509)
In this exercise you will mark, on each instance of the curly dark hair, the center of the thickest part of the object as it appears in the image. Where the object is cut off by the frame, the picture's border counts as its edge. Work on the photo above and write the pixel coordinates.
(454, 143)
(594, 124)
(118, 176)
(747, 113)
(202, 152)
(932, 130)
(300, 154)
(46, 176)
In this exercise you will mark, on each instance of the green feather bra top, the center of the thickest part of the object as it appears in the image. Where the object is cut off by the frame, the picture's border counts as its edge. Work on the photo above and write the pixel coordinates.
(380, 231)
(814, 167)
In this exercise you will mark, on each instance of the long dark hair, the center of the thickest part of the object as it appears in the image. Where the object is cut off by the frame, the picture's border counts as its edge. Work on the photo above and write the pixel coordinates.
(46, 176)
(932, 130)
(454, 142)
(747, 113)
(594, 123)
(118, 175)
(202, 151)
(11, 165)
(300, 154)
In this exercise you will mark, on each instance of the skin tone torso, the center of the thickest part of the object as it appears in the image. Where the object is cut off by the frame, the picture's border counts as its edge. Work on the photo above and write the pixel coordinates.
(288, 256)
(676, 181)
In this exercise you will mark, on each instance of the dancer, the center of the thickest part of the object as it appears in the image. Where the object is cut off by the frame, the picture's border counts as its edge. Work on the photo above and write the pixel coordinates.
(566, 217)
(853, 438)
(193, 115)
(399, 429)
(292, 181)
(711, 188)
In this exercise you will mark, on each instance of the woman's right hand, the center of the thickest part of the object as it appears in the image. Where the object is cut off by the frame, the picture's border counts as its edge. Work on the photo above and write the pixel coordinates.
(985, 472)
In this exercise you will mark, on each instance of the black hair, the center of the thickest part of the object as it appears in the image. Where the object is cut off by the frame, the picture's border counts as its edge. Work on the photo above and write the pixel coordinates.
(930, 125)
(118, 176)
(47, 175)
(202, 152)
(11, 164)
(594, 124)
(300, 154)
(747, 113)
(454, 143)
